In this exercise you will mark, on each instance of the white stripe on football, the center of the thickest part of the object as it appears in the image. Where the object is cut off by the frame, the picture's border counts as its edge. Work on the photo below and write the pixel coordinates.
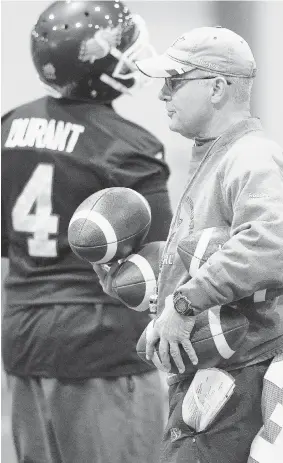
(135, 280)
(109, 225)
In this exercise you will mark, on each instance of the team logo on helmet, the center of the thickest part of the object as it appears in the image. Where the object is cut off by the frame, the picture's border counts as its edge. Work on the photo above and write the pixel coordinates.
(49, 71)
(100, 44)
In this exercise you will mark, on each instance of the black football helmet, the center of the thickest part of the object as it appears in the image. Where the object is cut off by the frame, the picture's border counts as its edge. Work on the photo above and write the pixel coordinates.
(87, 50)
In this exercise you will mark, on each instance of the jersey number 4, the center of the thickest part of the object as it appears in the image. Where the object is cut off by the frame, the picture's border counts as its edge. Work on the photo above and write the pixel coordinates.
(32, 212)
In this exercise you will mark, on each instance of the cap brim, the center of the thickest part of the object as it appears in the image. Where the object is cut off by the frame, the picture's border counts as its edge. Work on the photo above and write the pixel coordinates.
(162, 66)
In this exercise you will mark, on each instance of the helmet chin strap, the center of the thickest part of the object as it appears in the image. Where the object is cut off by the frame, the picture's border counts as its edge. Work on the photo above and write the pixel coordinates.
(51, 91)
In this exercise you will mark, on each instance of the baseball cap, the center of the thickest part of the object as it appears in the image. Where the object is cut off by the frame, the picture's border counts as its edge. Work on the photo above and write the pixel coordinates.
(214, 49)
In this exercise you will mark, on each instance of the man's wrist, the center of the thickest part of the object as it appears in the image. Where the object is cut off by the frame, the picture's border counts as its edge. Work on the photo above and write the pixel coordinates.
(182, 304)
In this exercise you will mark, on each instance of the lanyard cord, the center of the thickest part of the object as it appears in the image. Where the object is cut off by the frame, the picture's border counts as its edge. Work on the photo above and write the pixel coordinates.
(179, 205)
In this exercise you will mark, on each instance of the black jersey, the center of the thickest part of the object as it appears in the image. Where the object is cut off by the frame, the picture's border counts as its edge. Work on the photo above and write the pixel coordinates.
(55, 153)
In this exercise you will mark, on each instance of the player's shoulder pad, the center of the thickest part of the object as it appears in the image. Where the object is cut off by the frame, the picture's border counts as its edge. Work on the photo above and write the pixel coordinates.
(7, 115)
(137, 138)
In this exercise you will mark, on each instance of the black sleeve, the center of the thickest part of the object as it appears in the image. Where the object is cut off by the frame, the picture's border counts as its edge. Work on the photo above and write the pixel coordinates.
(146, 172)
(4, 235)
(142, 168)
(4, 231)
(161, 216)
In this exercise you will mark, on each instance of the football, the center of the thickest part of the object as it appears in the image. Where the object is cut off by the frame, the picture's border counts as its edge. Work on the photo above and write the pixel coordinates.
(135, 279)
(109, 225)
(219, 331)
(216, 335)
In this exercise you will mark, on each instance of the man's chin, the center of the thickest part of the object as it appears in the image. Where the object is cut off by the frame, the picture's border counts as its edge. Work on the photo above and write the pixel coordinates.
(179, 129)
(173, 125)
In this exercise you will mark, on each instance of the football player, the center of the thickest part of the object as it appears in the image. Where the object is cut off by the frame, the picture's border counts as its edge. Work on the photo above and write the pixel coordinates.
(80, 392)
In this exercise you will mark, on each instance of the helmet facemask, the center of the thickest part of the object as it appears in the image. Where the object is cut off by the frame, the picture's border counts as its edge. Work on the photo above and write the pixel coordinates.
(140, 49)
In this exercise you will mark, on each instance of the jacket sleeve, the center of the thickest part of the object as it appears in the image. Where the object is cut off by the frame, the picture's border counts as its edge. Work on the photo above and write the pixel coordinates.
(252, 259)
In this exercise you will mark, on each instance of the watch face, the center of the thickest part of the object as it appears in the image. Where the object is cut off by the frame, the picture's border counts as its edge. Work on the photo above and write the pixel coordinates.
(182, 305)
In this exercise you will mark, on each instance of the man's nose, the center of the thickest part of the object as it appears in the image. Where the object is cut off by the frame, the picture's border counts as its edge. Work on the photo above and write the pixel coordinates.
(164, 94)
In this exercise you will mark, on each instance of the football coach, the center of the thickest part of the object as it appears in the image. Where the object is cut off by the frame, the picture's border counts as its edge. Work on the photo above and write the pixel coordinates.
(235, 180)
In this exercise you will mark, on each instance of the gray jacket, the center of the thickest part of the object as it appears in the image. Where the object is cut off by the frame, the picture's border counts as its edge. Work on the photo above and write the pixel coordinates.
(238, 184)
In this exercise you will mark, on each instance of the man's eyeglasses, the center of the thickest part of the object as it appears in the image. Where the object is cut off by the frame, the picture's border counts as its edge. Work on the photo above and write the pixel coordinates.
(172, 82)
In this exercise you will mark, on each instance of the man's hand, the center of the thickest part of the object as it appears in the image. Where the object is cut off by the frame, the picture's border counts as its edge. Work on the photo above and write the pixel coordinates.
(171, 329)
(104, 273)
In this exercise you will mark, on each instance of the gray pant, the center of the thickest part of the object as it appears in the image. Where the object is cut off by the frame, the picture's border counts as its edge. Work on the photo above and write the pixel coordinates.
(116, 420)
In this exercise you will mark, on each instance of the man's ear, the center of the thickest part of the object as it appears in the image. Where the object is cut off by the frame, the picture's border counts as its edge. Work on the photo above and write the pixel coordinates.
(219, 90)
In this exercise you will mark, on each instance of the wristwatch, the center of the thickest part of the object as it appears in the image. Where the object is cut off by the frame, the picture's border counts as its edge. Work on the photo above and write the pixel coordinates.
(182, 304)
(153, 304)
